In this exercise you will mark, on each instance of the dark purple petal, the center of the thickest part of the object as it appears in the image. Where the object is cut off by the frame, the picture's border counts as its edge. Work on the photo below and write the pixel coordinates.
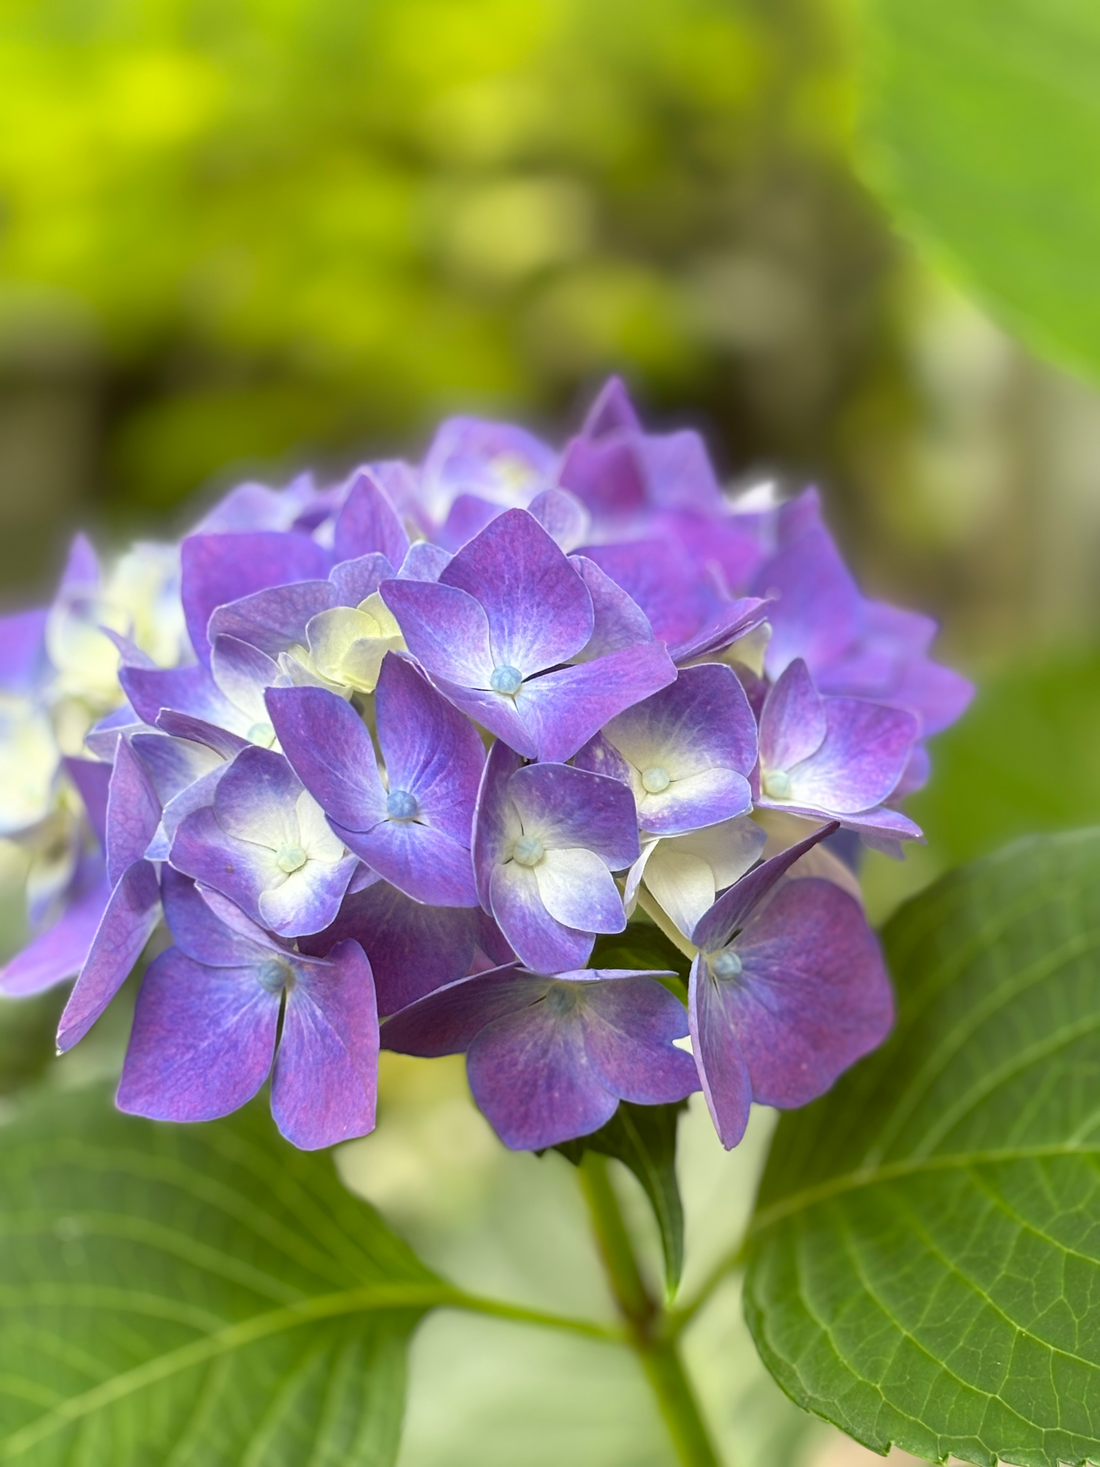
(530, 1075)
(426, 864)
(793, 723)
(133, 812)
(733, 907)
(189, 690)
(368, 523)
(723, 1073)
(563, 709)
(606, 476)
(218, 569)
(446, 630)
(62, 950)
(666, 583)
(331, 752)
(198, 731)
(447, 1021)
(538, 608)
(629, 1025)
(724, 626)
(619, 620)
(128, 921)
(202, 1041)
(276, 618)
(92, 778)
(200, 934)
(567, 807)
(430, 749)
(541, 943)
(496, 820)
(325, 1082)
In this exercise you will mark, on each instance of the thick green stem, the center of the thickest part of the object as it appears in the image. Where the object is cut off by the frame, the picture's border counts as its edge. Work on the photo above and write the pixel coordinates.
(645, 1320)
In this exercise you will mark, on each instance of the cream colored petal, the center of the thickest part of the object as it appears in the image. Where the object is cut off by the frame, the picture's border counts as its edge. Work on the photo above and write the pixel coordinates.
(681, 883)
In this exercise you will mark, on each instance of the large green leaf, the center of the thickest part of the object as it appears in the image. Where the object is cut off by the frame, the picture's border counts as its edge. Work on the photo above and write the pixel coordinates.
(925, 1254)
(184, 1295)
(983, 118)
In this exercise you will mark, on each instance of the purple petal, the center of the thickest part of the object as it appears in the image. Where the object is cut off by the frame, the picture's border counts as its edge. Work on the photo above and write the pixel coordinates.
(189, 690)
(256, 798)
(665, 582)
(496, 820)
(218, 569)
(242, 871)
(426, 864)
(865, 751)
(562, 516)
(354, 580)
(447, 1021)
(695, 801)
(538, 608)
(128, 921)
(530, 1075)
(81, 573)
(173, 765)
(883, 825)
(430, 749)
(62, 950)
(619, 620)
(92, 778)
(793, 724)
(563, 709)
(325, 1082)
(723, 1073)
(467, 517)
(605, 476)
(331, 752)
(611, 409)
(629, 1025)
(202, 1041)
(424, 562)
(678, 472)
(721, 628)
(200, 934)
(198, 731)
(275, 619)
(446, 630)
(541, 943)
(368, 523)
(133, 812)
(567, 807)
(22, 638)
(494, 711)
(579, 891)
(497, 460)
(732, 908)
(102, 738)
(307, 901)
(243, 672)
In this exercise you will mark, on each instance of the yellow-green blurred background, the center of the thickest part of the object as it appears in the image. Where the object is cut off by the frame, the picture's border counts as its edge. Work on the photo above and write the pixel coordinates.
(239, 237)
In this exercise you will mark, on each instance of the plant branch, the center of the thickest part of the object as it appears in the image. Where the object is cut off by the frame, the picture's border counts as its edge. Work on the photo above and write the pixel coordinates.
(679, 1319)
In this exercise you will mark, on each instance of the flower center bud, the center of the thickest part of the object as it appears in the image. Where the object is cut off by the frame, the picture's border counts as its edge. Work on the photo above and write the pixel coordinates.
(725, 964)
(400, 805)
(275, 975)
(560, 998)
(655, 779)
(777, 785)
(290, 859)
(506, 680)
(528, 850)
(261, 733)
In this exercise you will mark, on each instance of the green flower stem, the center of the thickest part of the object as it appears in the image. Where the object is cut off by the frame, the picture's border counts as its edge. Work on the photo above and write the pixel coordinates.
(645, 1320)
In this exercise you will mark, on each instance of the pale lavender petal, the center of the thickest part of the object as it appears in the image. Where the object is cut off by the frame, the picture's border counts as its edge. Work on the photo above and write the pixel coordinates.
(700, 722)
(198, 731)
(325, 1082)
(133, 812)
(471, 455)
(243, 672)
(22, 642)
(793, 724)
(563, 709)
(62, 950)
(600, 757)
(81, 573)
(732, 908)
(256, 797)
(723, 1073)
(866, 748)
(430, 749)
(530, 1076)
(424, 562)
(562, 516)
(611, 409)
(538, 608)
(426, 864)
(813, 995)
(494, 711)
(678, 472)
(173, 765)
(200, 933)
(467, 517)
(240, 869)
(128, 921)
(447, 1021)
(446, 630)
(308, 900)
(368, 523)
(275, 619)
(218, 569)
(618, 619)
(202, 1041)
(539, 941)
(629, 1024)
(579, 891)
(92, 778)
(695, 801)
(566, 807)
(497, 824)
(937, 695)
(102, 738)
(883, 825)
(355, 580)
(331, 752)
(721, 628)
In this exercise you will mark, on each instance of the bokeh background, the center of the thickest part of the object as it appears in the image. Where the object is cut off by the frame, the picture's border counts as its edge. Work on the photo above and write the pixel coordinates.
(239, 237)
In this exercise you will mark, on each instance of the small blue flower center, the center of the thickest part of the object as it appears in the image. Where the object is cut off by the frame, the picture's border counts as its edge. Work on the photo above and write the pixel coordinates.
(725, 964)
(290, 859)
(261, 733)
(400, 805)
(777, 784)
(275, 975)
(655, 780)
(561, 998)
(528, 850)
(506, 680)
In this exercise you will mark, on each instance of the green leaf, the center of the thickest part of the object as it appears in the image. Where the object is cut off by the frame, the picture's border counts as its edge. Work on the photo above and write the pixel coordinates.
(982, 121)
(925, 1254)
(183, 1294)
(643, 1138)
